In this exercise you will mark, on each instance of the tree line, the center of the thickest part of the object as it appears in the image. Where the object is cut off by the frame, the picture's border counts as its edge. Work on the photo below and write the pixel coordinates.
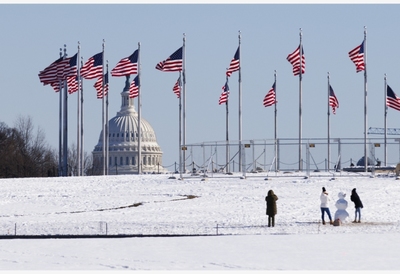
(24, 152)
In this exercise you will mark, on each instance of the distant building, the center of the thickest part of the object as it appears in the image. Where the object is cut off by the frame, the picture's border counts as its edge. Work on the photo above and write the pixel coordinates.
(123, 143)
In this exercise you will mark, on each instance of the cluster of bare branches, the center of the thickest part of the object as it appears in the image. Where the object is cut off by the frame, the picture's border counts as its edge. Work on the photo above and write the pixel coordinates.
(73, 162)
(24, 152)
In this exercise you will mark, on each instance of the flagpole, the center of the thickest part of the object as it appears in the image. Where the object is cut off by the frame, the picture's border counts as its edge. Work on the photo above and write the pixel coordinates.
(365, 100)
(80, 83)
(78, 141)
(275, 126)
(329, 140)
(102, 116)
(300, 99)
(180, 133)
(60, 170)
(106, 125)
(139, 117)
(385, 120)
(65, 123)
(240, 107)
(227, 133)
(184, 103)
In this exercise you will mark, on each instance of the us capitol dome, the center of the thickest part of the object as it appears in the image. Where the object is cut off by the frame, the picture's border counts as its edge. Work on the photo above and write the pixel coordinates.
(123, 142)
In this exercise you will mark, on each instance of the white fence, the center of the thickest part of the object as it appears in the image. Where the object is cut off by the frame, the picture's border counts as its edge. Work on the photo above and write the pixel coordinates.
(128, 229)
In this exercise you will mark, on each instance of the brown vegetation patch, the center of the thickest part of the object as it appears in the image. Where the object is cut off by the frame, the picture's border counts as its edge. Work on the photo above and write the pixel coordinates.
(186, 197)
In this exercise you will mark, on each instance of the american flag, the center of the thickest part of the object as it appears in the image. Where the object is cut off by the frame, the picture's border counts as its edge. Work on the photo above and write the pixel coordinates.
(357, 56)
(56, 86)
(391, 99)
(93, 68)
(225, 93)
(126, 66)
(333, 101)
(49, 74)
(72, 84)
(70, 68)
(59, 70)
(71, 74)
(134, 88)
(99, 86)
(172, 63)
(270, 97)
(234, 65)
(177, 87)
(294, 59)
(53, 73)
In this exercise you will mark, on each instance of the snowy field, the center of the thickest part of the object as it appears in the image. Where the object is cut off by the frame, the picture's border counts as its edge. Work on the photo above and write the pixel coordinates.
(213, 223)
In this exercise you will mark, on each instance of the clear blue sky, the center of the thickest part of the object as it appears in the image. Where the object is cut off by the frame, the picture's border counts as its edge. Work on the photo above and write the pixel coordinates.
(33, 34)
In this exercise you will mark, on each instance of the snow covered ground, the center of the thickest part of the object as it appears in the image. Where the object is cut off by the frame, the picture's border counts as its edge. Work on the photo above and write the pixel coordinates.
(227, 211)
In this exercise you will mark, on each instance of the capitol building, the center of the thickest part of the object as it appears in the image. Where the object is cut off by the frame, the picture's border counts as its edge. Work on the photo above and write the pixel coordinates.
(123, 142)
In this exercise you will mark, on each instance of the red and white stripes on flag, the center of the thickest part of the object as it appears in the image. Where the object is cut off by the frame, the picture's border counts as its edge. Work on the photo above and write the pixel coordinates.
(270, 97)
(177, 87)
(223, 99)
(134, 88)
(72, 84)
(391, 99)
(70, 69)
(126, 66)
(333, 101)
(357, 56)
(49, 74)
(235, 64)
(93, 68)
(59, 70)
(294, 59)
(98, 85)
(173, 62)
(55, 86)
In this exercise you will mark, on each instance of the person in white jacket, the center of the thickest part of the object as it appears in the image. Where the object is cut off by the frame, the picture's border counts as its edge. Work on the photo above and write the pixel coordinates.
(325, 206)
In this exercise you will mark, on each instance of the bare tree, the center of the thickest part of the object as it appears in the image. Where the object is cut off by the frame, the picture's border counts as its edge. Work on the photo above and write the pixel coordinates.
(8, 151)
(33, 157)
(73, 161)
(24, 152)
(87, 163)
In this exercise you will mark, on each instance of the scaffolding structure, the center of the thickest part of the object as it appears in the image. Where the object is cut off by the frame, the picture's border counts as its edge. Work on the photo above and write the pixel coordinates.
(389, 131)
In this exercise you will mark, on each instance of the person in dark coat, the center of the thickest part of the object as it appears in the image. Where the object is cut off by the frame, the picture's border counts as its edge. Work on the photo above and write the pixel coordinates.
(271, 199)
(357, 204)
